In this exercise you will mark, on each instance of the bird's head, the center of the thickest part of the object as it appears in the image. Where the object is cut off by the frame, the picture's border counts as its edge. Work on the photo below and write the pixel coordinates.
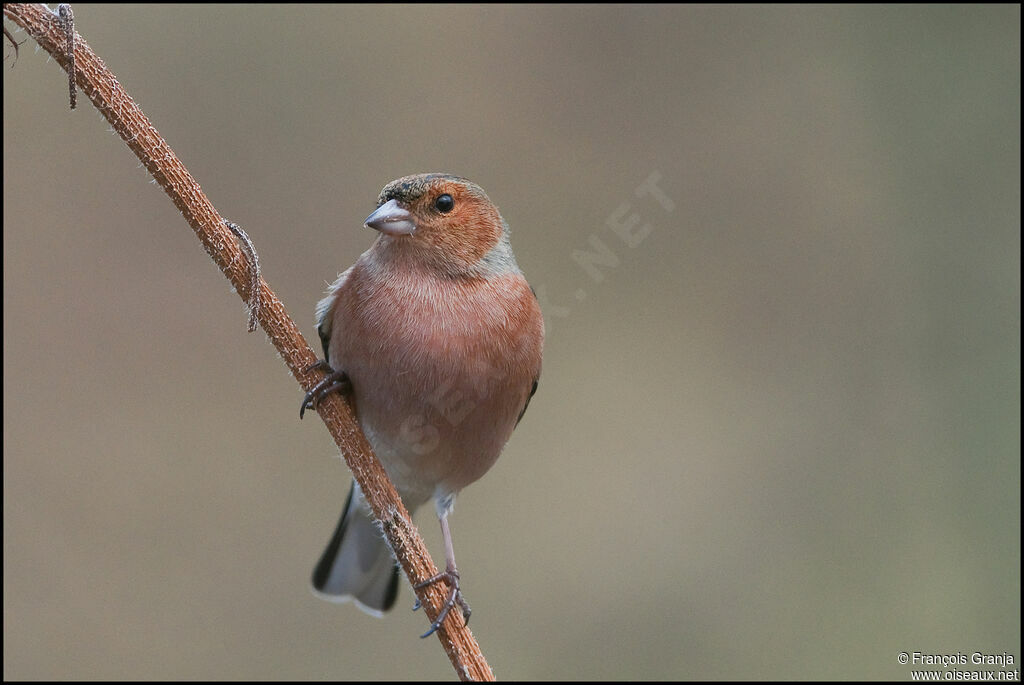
(443, 223)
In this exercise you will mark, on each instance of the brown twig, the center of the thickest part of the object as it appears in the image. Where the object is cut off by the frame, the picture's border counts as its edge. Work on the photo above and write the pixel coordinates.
(127, 118)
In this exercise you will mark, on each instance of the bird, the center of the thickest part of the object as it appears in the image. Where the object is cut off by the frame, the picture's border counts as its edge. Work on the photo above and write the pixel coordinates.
(435, 339)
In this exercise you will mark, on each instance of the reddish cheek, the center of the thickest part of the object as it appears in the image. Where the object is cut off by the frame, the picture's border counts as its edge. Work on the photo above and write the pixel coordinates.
(470, 237)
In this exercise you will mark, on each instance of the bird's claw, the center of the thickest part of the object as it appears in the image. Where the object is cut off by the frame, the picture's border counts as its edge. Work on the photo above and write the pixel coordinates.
(454, 597)
(333, 381)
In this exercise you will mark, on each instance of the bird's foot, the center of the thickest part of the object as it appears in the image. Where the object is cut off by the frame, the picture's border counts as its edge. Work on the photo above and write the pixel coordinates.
(454, 597)
(334, 381)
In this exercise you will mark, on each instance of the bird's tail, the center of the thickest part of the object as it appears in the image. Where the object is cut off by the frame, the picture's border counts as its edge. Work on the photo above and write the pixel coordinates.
(357, 563)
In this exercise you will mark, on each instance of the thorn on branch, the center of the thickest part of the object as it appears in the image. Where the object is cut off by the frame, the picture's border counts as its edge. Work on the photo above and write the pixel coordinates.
(10, 36)
(254, 272)
(67, 22)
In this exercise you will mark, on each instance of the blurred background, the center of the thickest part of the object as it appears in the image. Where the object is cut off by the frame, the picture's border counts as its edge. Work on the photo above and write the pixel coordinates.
(777, 433)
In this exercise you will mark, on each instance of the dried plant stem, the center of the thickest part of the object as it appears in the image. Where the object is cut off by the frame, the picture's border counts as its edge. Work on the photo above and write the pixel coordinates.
(128, 120)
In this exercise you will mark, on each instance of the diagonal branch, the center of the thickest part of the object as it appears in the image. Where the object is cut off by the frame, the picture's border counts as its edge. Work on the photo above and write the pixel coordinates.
(128, 120)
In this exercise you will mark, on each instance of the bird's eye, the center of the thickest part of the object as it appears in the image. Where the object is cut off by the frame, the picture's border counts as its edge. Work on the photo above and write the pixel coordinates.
(444, 203)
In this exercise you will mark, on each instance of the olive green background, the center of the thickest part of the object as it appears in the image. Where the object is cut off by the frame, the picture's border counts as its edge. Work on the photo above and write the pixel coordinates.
(778, 438)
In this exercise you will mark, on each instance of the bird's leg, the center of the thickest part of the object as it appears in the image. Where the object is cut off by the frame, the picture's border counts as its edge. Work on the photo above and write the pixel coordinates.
(333, 381)
(450, 574)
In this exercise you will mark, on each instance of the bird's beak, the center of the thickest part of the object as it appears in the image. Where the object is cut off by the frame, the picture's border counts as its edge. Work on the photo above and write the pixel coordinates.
(391, 218)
